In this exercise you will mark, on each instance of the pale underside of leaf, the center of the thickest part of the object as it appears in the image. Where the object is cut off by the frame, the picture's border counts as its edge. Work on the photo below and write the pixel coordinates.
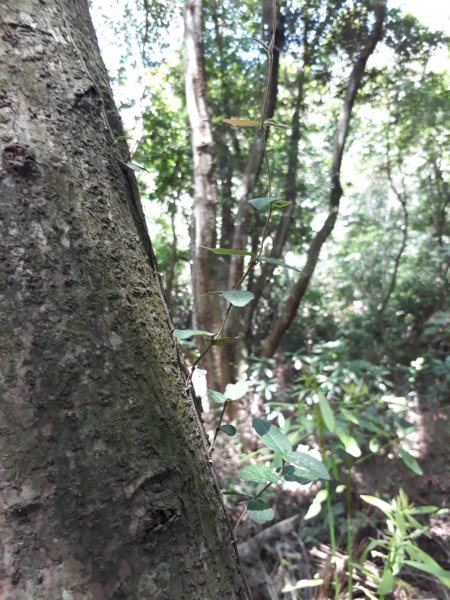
(184, 334)
(308, 466)
(262, 203)
(238, 298)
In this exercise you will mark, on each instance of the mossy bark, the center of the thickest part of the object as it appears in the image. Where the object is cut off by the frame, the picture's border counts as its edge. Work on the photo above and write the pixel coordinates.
(105, 487)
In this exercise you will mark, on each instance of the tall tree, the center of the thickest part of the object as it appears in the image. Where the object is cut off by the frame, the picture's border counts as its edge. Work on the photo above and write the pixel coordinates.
(297, 293)
(204, 270)
(106, 491)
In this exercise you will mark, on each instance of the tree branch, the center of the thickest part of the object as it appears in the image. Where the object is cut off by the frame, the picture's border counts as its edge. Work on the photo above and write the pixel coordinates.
(293, 302)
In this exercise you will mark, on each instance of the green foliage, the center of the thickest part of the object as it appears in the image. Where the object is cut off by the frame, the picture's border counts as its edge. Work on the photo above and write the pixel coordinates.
(399, 548)
(345, 355)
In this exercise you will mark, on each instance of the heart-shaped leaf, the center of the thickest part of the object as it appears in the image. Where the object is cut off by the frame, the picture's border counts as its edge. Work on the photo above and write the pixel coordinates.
(260, 512)
(236, 391)
(239, 298)
(271, 436)
(308, 466)
(262, 203)
(228, 429)
(184, 334)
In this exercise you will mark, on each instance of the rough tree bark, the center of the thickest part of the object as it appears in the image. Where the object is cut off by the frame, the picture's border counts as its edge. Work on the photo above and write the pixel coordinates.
(280, 326)
(105, 490)
(206, 312)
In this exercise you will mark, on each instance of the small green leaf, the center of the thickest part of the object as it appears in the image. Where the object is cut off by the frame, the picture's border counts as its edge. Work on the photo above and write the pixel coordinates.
(282, 203)
(316, 505)
(410, 461)
(374, 445)
(184, 334)
(228, 429)
(349, 416)
(308, 466)
(313, 510)
(327, 412)
(262, 203)
(290, 473)
(321, 496)
(386, 584)
(236, 391)
(228, 251)
(350, 444)
(216, 397)
(378, 503)
(238, 298)
(224, 341)
(432, 569)
(340, 488)
(260, 512)
(243, 122)
(278, 262)
(259, 474)
(271, 436)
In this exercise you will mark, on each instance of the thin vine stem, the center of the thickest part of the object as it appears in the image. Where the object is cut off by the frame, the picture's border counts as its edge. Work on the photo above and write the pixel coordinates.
(222, 414)
(254, 260)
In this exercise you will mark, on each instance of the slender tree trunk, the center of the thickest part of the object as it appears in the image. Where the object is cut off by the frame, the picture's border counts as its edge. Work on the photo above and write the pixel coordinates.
(204, 272)
(290, 194)
(255, 158)
(235, 353)
(400, 196)
(280, 326)
(105, 490)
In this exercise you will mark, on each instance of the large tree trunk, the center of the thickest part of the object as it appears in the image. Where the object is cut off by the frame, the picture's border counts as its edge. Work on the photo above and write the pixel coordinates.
(105, 488)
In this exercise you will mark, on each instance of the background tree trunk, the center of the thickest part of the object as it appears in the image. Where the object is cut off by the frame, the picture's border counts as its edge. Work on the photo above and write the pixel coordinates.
(287, 315)
(105, 488)
(206, 314)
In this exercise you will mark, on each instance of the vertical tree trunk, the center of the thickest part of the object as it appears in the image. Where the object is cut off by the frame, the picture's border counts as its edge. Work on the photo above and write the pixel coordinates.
(204, 271)
(105, 489)
(281, 325)
(255, 158)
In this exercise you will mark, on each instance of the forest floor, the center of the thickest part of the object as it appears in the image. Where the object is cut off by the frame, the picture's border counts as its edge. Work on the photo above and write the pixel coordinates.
(291, 549)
